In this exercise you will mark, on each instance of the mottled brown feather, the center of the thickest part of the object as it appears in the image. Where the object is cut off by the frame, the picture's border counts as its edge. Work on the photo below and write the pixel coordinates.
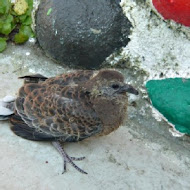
(70, 107)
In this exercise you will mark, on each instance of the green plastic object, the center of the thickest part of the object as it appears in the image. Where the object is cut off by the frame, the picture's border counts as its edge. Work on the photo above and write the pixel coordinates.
(49, 11)
(171, 97)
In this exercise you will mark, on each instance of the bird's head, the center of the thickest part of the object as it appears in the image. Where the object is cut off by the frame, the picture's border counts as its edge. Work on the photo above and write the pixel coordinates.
(109, 83)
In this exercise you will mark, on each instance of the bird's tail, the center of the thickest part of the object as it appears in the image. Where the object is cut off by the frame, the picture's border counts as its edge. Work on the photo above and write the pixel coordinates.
(7, 104)
(7, 107)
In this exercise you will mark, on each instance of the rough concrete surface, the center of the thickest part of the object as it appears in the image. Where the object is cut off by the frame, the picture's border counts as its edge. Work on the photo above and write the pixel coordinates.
(140, 155)
(133, 157)
(156, 46)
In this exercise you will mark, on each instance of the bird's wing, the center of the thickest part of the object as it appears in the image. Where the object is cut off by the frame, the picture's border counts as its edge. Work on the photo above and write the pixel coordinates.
(33, 78)
(72, 78)
(59, 112)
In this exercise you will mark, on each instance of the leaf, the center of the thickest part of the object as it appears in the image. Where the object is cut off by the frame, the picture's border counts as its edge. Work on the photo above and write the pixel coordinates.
(30, 7)
(30, 3)
(2, 20)
(4, 6)
(22, 18)
(6, 29)
(25, 32)
(27, 21)
(9, 18)
(1, 24)
(6, 23)
(3, 44)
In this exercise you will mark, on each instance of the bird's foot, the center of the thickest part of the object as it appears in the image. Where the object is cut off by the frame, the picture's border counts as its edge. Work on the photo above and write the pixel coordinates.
(67, 158)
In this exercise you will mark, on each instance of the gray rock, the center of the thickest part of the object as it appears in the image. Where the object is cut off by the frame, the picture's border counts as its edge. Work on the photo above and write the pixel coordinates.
(81, 34)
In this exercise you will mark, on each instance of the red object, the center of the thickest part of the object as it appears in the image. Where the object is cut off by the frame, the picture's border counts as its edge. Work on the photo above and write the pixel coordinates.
(177, 10)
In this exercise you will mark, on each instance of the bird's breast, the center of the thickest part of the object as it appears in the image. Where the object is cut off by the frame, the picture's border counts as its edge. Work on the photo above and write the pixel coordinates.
(111, 112)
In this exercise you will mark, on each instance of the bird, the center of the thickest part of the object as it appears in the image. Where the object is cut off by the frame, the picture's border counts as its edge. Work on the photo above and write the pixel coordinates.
(70, 107)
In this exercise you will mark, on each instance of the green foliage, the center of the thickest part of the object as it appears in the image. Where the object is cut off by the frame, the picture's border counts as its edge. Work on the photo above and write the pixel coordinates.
(3, 44)
(24, 33)
(4, 7)
(14, 22)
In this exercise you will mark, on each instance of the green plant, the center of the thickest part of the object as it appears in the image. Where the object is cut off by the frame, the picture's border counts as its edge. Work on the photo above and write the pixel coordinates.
(15, 21)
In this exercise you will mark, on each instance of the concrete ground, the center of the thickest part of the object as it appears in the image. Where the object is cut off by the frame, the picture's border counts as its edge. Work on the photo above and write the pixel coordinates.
(141, 155)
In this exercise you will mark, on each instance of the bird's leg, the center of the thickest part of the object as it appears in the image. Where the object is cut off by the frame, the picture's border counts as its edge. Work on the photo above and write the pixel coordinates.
(67, 158)
(77, 159)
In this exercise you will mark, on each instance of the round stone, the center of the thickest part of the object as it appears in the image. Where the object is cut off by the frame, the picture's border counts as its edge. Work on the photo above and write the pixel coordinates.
(81, 34)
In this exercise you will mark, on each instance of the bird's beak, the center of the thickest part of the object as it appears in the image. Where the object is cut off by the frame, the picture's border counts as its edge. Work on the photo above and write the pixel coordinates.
(129, 89)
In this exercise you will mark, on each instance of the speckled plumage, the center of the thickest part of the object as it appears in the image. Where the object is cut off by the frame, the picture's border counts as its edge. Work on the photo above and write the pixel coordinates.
(71, 107)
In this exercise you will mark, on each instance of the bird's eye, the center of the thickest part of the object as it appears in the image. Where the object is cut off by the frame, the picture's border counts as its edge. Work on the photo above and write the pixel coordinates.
(115, 86)
(87, 92)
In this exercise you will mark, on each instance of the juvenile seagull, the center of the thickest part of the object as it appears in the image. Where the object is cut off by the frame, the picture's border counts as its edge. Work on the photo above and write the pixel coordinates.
(69, 108)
